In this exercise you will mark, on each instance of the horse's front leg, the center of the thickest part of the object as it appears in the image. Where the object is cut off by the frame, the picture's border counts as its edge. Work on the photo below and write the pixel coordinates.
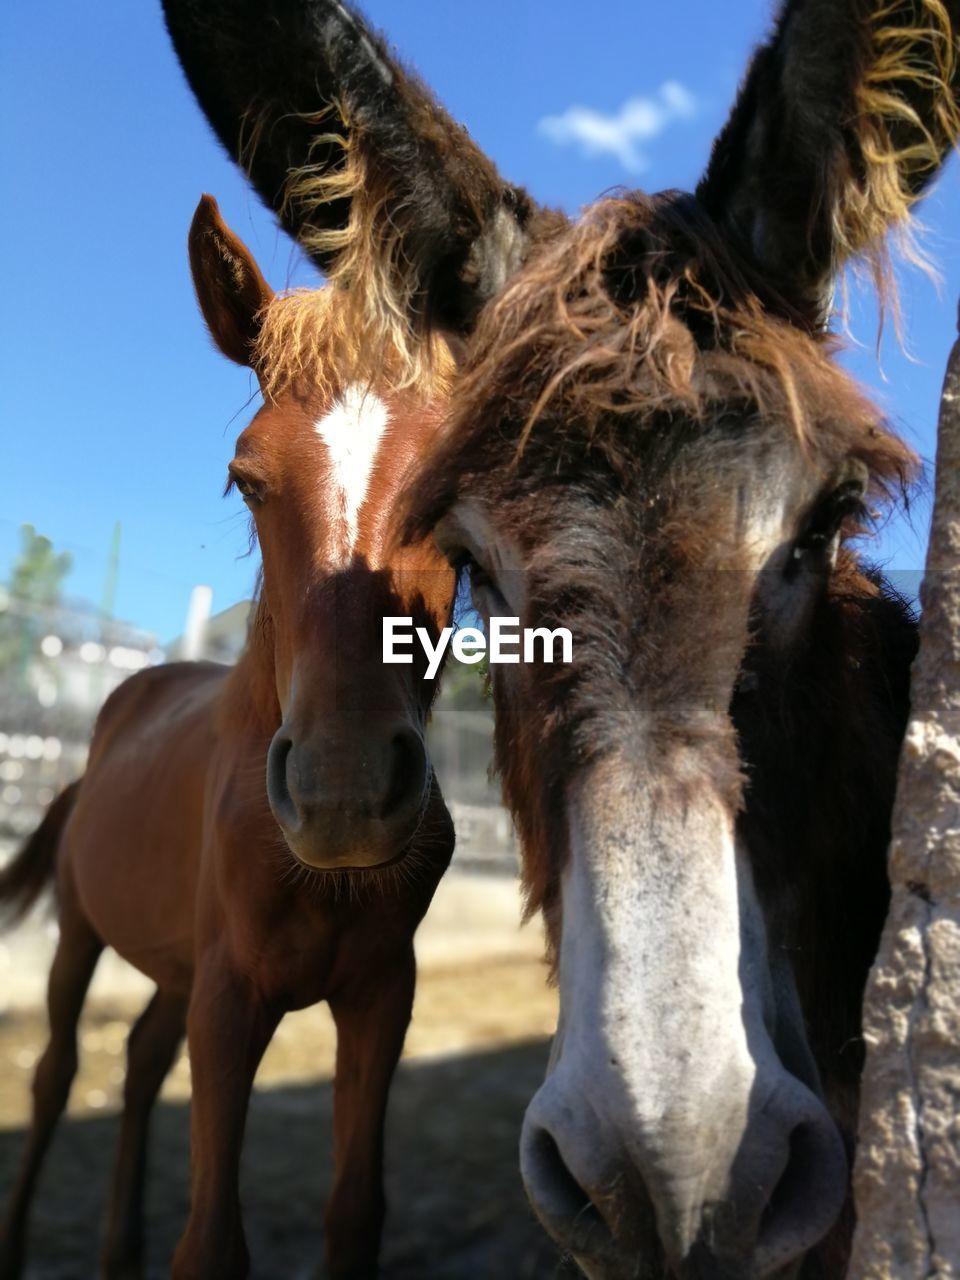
(371, 1021)
(228, 1028)
(151, 1049)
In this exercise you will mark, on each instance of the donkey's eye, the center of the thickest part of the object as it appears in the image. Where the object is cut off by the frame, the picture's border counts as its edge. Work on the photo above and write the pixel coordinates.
(479, 577)
(483, 588)
(840, 511)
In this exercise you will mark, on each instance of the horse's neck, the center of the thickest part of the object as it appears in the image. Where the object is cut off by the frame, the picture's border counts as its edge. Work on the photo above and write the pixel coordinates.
(249, 702)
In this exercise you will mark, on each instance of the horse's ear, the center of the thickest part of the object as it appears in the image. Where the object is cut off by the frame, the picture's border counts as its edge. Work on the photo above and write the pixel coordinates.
(844, 119)
(387, 194)
(230, 289)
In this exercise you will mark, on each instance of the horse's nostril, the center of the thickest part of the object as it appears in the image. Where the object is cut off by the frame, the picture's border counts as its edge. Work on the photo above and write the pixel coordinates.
(407, 774)
(278, 790)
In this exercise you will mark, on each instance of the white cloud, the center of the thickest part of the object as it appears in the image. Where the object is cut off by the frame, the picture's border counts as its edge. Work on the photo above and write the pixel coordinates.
(639, 120)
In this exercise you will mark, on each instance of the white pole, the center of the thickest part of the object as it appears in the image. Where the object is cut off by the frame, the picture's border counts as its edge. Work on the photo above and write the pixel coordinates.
(195, 627)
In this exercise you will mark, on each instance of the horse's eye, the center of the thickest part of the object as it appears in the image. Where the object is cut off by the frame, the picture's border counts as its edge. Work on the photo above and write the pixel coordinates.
(251, 493)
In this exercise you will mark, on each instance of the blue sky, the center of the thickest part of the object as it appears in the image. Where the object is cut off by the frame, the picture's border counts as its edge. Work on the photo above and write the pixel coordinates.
(116, 405)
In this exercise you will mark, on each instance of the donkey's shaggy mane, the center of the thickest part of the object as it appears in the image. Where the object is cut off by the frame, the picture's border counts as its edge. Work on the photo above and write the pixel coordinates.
(638, 318)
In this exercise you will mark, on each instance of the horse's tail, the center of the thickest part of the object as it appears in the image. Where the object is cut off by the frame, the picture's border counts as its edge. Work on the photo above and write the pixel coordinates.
(28, 873)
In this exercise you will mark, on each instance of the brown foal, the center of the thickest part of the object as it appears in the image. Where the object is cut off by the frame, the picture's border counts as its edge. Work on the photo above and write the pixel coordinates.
(258, 839)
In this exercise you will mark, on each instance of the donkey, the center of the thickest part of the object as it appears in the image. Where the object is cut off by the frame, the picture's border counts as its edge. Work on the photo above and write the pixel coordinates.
(650, 444)
(260, 838)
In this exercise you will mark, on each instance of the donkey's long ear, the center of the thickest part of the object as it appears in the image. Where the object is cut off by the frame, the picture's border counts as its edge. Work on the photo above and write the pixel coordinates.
(385, 192)
(230, 289)
(844, 119)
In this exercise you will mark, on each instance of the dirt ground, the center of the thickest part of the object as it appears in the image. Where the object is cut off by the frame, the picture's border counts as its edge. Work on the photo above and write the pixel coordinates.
(476, 1052)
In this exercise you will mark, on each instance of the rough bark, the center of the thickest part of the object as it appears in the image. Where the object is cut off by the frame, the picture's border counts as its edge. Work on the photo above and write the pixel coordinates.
(907, 1176)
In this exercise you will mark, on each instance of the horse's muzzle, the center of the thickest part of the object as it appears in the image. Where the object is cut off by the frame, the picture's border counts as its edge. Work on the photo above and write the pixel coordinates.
(348, 804)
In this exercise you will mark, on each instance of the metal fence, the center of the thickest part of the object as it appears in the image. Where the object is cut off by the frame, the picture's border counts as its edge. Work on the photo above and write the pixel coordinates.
(63, 662)
(57, 665)
(461, 746)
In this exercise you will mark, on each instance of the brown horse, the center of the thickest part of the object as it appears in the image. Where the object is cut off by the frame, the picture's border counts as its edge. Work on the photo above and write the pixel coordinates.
(651, 445)
(262, 838)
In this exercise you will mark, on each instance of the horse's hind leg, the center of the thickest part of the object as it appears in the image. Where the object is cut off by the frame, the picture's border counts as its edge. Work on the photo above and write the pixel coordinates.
(78, 950)
(151, 1049)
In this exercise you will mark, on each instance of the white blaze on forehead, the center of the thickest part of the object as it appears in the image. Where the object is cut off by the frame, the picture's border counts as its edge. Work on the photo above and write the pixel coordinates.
(352, 432)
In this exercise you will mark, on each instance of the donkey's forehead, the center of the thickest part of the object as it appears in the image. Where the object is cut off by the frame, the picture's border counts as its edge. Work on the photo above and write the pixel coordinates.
(636, 326)
(636, 313)
(701, 500)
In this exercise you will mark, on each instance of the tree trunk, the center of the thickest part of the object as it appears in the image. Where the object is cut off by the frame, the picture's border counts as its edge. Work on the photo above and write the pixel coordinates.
(907, 1176)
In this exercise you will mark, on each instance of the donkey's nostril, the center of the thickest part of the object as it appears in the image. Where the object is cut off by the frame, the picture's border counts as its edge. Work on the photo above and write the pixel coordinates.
(807, 1196)
(561, 1203)
(557, 1189)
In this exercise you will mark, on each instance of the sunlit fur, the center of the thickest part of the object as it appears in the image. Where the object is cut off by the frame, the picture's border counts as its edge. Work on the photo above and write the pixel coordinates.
(845, 117)
(308, 338)
(909, 117)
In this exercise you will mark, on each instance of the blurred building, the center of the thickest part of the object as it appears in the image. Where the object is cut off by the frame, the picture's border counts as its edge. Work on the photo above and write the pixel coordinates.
(220, 638)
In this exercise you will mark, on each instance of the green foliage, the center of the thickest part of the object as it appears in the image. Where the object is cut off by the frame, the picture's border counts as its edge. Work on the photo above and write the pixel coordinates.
(35, 587)
(39, 571)
(466, 687)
